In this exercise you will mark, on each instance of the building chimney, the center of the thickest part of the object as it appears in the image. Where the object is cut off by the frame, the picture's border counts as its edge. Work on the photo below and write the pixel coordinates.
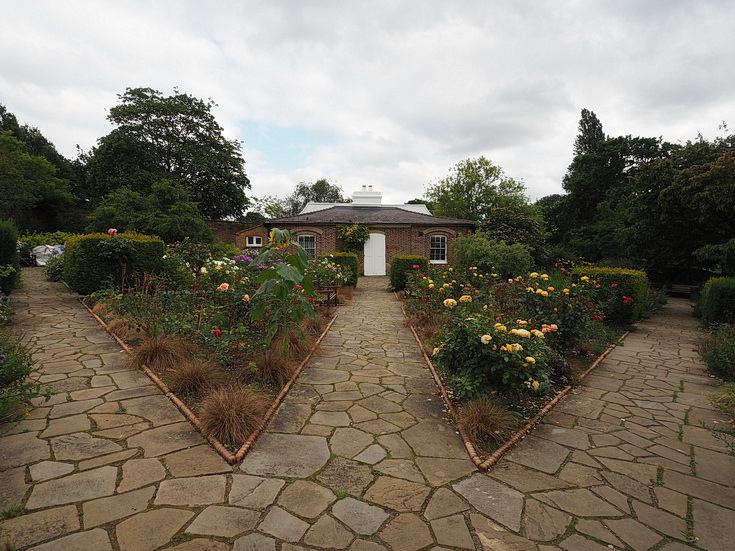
(363, 187)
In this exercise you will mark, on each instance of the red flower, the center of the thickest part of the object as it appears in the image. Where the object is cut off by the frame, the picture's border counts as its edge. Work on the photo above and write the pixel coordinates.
(298, 287)
(416, 266)
(311, 299)
(614, 285)
(217, 332)
(597, 318)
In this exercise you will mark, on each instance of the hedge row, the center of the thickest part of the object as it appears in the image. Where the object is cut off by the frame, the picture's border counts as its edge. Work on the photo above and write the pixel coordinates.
(622, 292)
(89, 267)
(717, 304)
(402, 265)
(9, 257)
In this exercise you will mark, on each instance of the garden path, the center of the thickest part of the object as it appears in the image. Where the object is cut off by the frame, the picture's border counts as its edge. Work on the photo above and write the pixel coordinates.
(358, 456)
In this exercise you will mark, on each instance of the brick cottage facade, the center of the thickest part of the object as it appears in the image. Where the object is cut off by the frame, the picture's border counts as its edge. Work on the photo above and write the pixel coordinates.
(394, 230)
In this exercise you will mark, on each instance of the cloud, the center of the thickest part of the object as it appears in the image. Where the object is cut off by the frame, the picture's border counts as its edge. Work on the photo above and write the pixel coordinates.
(385, 93)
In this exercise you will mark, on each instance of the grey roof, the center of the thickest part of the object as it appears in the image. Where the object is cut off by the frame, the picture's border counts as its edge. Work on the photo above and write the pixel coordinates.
(348, 214)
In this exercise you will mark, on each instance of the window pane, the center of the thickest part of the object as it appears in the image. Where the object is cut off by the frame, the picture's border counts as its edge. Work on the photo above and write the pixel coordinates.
(308, 242)
(438, 248)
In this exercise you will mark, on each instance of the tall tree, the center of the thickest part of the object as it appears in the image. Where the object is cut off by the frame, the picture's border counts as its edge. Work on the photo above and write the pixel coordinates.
(590, 133)
(473, 189)
(31, 195)
(174, 138)
(321, 191)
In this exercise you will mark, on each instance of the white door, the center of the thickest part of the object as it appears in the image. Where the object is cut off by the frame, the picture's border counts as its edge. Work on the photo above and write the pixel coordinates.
(374, 254)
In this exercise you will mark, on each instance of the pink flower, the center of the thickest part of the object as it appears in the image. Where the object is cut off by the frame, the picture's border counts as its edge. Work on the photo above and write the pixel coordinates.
(217, 332)
(224, 287)
(246, 298)
(112, 232)
(614, 285)
(416, 266)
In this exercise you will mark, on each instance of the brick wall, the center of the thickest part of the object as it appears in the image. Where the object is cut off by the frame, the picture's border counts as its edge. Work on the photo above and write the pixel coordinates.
(398, 240)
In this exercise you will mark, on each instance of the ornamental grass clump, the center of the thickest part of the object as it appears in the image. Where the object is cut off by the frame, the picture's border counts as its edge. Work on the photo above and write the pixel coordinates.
(162, 353)
(484, 418)
(231, 414)
(272, 366)
(195, 376)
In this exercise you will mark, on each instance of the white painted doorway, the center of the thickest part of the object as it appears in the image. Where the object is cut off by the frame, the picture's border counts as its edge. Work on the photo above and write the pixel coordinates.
(374, 255)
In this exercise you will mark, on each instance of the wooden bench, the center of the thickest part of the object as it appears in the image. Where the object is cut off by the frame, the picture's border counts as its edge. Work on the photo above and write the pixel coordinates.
(679, 289)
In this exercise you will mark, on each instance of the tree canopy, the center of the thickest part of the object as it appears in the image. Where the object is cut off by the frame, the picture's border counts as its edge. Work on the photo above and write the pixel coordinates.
(167, 211)
(173, 138)
(321, 191)
(473, 189)
(31, 195)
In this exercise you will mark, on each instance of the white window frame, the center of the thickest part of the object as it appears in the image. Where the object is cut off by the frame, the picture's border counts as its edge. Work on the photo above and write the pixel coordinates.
(433, 249)
(254, 241)
(310, 248)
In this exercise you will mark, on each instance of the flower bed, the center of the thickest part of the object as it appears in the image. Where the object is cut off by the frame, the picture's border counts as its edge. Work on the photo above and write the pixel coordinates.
(224, 335)
(504, 347)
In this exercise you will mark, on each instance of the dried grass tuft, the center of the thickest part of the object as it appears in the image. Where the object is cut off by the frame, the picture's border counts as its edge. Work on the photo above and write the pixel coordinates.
(273, 365)
(162, 353)
(345, 294)
(195, 376)
(100, 309)
(299, 345)
(231, 414)
(122, 329)
(485, 418)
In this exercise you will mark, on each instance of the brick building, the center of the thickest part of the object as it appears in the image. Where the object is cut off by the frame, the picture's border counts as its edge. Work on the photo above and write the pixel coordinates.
(394, 230)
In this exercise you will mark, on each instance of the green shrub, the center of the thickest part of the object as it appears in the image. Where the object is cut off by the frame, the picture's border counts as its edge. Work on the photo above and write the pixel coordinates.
(15, 368)
(31, 240)
(9, 258)
(349, 260)
(719, 351)
(475, 250)
(622, 293)
(54, 270)
(92, 262)
(402, 265)
(717, 304)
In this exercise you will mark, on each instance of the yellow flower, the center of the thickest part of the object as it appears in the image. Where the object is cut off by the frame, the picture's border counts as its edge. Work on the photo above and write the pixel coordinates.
(465, 298)
(584, 278)
(500, 328)
(218, 267)
(533, 274)
(435, 351)
(531, 359)
(549, 289)
(535, 385)
(539, 291)
(565, 291)
(485, 339)
(545, 277)
(521, 333)
(522, 323)
(431, 285)
(450, 303)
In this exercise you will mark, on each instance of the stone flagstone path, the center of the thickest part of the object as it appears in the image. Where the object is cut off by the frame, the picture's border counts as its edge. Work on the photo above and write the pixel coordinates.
(359, 457)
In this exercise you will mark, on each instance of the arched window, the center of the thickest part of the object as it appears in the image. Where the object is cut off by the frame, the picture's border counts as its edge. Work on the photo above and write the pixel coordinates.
(438, 249)
(308, 242)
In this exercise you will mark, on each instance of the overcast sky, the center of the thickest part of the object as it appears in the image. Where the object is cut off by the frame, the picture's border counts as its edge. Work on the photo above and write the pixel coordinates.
(384, 92)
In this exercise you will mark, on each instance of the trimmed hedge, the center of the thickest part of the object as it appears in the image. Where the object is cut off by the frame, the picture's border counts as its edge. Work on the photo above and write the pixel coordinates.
(348, 259)
(717, 304)
(87, 269)
(401, 266)
(617, 286)
(9, 256)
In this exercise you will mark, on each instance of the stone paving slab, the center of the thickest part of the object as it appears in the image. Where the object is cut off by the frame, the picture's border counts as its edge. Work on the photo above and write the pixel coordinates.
(359, 456)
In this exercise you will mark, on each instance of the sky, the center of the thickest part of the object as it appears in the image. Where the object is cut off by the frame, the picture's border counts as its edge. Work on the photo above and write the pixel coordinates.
(388, 93)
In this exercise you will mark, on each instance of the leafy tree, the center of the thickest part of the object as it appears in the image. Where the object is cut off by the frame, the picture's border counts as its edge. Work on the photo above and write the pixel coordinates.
(172, 138)
(321, 191)
(590, 133)
(31, 195)
(521, 225)
(478, 250)
(473, 189)
(167, 212)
